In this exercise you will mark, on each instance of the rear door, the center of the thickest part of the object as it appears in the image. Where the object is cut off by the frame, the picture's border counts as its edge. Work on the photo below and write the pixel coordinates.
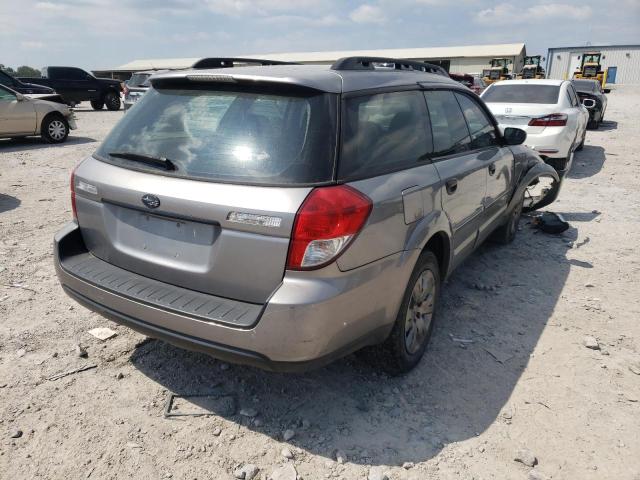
(463, 172)
(220, 222)
(500, 162)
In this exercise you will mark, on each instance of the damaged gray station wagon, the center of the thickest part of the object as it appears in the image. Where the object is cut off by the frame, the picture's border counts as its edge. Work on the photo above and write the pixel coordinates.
(284, 216)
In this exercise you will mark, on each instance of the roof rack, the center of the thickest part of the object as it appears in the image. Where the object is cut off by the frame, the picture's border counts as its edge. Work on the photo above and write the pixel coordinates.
(228, 62)
(383, 63)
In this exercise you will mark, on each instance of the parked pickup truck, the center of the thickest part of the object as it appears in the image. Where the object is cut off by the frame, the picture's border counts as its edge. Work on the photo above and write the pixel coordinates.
(75, 86)
(25, 88)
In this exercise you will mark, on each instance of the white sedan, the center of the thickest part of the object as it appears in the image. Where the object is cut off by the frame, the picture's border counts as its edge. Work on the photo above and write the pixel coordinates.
(548, 110)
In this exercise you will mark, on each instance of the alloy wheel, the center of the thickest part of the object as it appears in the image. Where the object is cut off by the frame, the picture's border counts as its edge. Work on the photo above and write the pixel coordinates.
(419, 311)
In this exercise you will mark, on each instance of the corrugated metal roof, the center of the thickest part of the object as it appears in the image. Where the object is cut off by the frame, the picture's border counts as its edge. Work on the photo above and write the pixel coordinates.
(500, 50)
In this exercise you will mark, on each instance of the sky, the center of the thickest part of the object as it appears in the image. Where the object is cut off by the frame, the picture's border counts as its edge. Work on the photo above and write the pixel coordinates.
(99, 34)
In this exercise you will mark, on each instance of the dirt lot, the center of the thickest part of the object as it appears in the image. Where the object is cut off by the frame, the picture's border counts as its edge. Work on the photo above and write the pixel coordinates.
(522, 377)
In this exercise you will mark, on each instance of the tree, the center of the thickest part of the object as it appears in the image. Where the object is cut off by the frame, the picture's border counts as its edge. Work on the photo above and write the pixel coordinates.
(26, 71)
(9, 70)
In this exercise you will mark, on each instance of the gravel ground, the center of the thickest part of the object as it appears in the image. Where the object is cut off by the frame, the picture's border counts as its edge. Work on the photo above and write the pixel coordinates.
(522, 378)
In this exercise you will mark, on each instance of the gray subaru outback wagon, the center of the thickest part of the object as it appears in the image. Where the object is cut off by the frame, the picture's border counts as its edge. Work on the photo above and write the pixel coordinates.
(284, 216)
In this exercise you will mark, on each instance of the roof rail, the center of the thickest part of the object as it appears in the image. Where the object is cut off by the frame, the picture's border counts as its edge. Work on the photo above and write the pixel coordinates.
(383, 63)
(228, 62)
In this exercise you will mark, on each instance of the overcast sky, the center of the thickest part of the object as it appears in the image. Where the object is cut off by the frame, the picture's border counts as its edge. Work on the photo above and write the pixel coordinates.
(98, 34)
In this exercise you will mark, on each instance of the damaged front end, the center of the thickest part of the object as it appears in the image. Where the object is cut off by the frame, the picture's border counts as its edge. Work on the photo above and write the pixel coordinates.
(537, 182)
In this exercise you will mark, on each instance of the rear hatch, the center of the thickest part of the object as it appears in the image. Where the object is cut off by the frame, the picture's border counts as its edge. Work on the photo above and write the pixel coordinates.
(515, 105)
(199, 187)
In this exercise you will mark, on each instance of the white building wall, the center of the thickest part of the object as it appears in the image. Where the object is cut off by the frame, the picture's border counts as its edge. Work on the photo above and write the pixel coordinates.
(626, 58)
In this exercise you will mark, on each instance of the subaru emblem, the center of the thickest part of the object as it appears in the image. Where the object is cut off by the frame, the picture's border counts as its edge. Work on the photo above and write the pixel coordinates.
(150, 201)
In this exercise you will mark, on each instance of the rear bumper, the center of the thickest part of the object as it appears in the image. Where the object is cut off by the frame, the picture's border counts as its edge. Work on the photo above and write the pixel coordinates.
(311, 319)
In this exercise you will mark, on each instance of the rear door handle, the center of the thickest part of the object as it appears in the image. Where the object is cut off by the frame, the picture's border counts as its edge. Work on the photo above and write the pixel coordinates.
(451, 185)
(492, 168)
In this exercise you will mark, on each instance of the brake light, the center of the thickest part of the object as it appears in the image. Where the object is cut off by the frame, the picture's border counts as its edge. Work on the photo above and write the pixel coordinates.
(327, 221)
(125, 89)
(73, 195)
(552, 120)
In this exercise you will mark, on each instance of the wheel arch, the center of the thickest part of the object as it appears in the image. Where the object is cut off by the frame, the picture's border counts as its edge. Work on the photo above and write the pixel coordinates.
(48, 115)
(440, 245)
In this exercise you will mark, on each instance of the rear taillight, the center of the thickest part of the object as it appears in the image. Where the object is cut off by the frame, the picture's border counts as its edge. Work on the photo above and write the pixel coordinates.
(125, 90)
(553, 120)
(327, 221)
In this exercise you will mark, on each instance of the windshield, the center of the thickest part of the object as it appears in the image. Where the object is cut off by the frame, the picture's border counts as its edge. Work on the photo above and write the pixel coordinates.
(522, 94)
(229, 136)
(592, 58)
(532, 61)
(585, 85)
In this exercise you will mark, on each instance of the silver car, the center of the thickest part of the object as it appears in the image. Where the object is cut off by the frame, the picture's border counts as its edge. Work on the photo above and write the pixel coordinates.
(284, 216)
(22, 116)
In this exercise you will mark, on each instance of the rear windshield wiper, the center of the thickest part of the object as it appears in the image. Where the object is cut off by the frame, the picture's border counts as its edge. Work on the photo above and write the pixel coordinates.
(147, 159)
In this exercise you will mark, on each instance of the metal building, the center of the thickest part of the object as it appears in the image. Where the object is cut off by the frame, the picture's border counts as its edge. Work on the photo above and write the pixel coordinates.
(621, 62)
(465, 59)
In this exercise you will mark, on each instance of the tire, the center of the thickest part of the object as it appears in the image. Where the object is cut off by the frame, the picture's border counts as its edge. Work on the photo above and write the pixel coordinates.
(506, 233)
(97, 104)
(412, 330)
(55, 129)
(112, 100)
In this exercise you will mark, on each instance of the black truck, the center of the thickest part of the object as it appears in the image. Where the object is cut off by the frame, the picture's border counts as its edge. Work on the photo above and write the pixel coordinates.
(26, 88)
(75, 86)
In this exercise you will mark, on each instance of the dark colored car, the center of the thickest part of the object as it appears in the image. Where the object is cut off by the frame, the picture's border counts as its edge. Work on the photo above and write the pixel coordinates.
(137, 86)
(19, 86)
(284, 216)
(76, 85)
(593, 97)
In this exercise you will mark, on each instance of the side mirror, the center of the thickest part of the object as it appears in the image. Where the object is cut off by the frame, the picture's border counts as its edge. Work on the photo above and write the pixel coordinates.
(20, 97)
(607, 90)
(89, 77)
(514, 136)
(589, 103)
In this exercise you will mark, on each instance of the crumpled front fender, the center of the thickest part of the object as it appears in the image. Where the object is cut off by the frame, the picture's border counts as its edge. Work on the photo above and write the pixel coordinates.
(536, 171)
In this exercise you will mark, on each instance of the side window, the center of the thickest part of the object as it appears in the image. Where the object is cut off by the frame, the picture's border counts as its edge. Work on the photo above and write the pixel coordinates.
(6, 95)
(450, 132)
(483, 133)
(384, 132)
(69, 74)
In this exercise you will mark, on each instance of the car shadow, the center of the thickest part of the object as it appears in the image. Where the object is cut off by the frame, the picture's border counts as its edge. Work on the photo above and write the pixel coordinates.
(7, 202)
(494, 309)
(608, 125)
(32, 143)
(587, 162)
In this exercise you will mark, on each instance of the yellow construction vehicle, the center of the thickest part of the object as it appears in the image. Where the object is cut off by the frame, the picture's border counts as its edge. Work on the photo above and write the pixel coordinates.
(590, 68)
(499, 70)
(531, 68)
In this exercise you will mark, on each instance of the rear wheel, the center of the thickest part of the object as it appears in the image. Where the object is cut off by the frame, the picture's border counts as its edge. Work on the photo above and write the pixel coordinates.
(414, 324)
(112, 100)
(55, 129)
(97, 104)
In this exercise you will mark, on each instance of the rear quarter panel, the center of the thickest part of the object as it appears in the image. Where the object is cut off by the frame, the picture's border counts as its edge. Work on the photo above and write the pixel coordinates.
(389, 230)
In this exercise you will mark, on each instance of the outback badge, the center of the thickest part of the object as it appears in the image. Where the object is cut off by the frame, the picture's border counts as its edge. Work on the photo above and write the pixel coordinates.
(150, 201)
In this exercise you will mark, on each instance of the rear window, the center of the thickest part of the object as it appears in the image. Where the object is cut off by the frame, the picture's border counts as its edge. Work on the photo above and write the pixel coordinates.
(585, 85)
(139, 80)
(522, 94)
(230, 136)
